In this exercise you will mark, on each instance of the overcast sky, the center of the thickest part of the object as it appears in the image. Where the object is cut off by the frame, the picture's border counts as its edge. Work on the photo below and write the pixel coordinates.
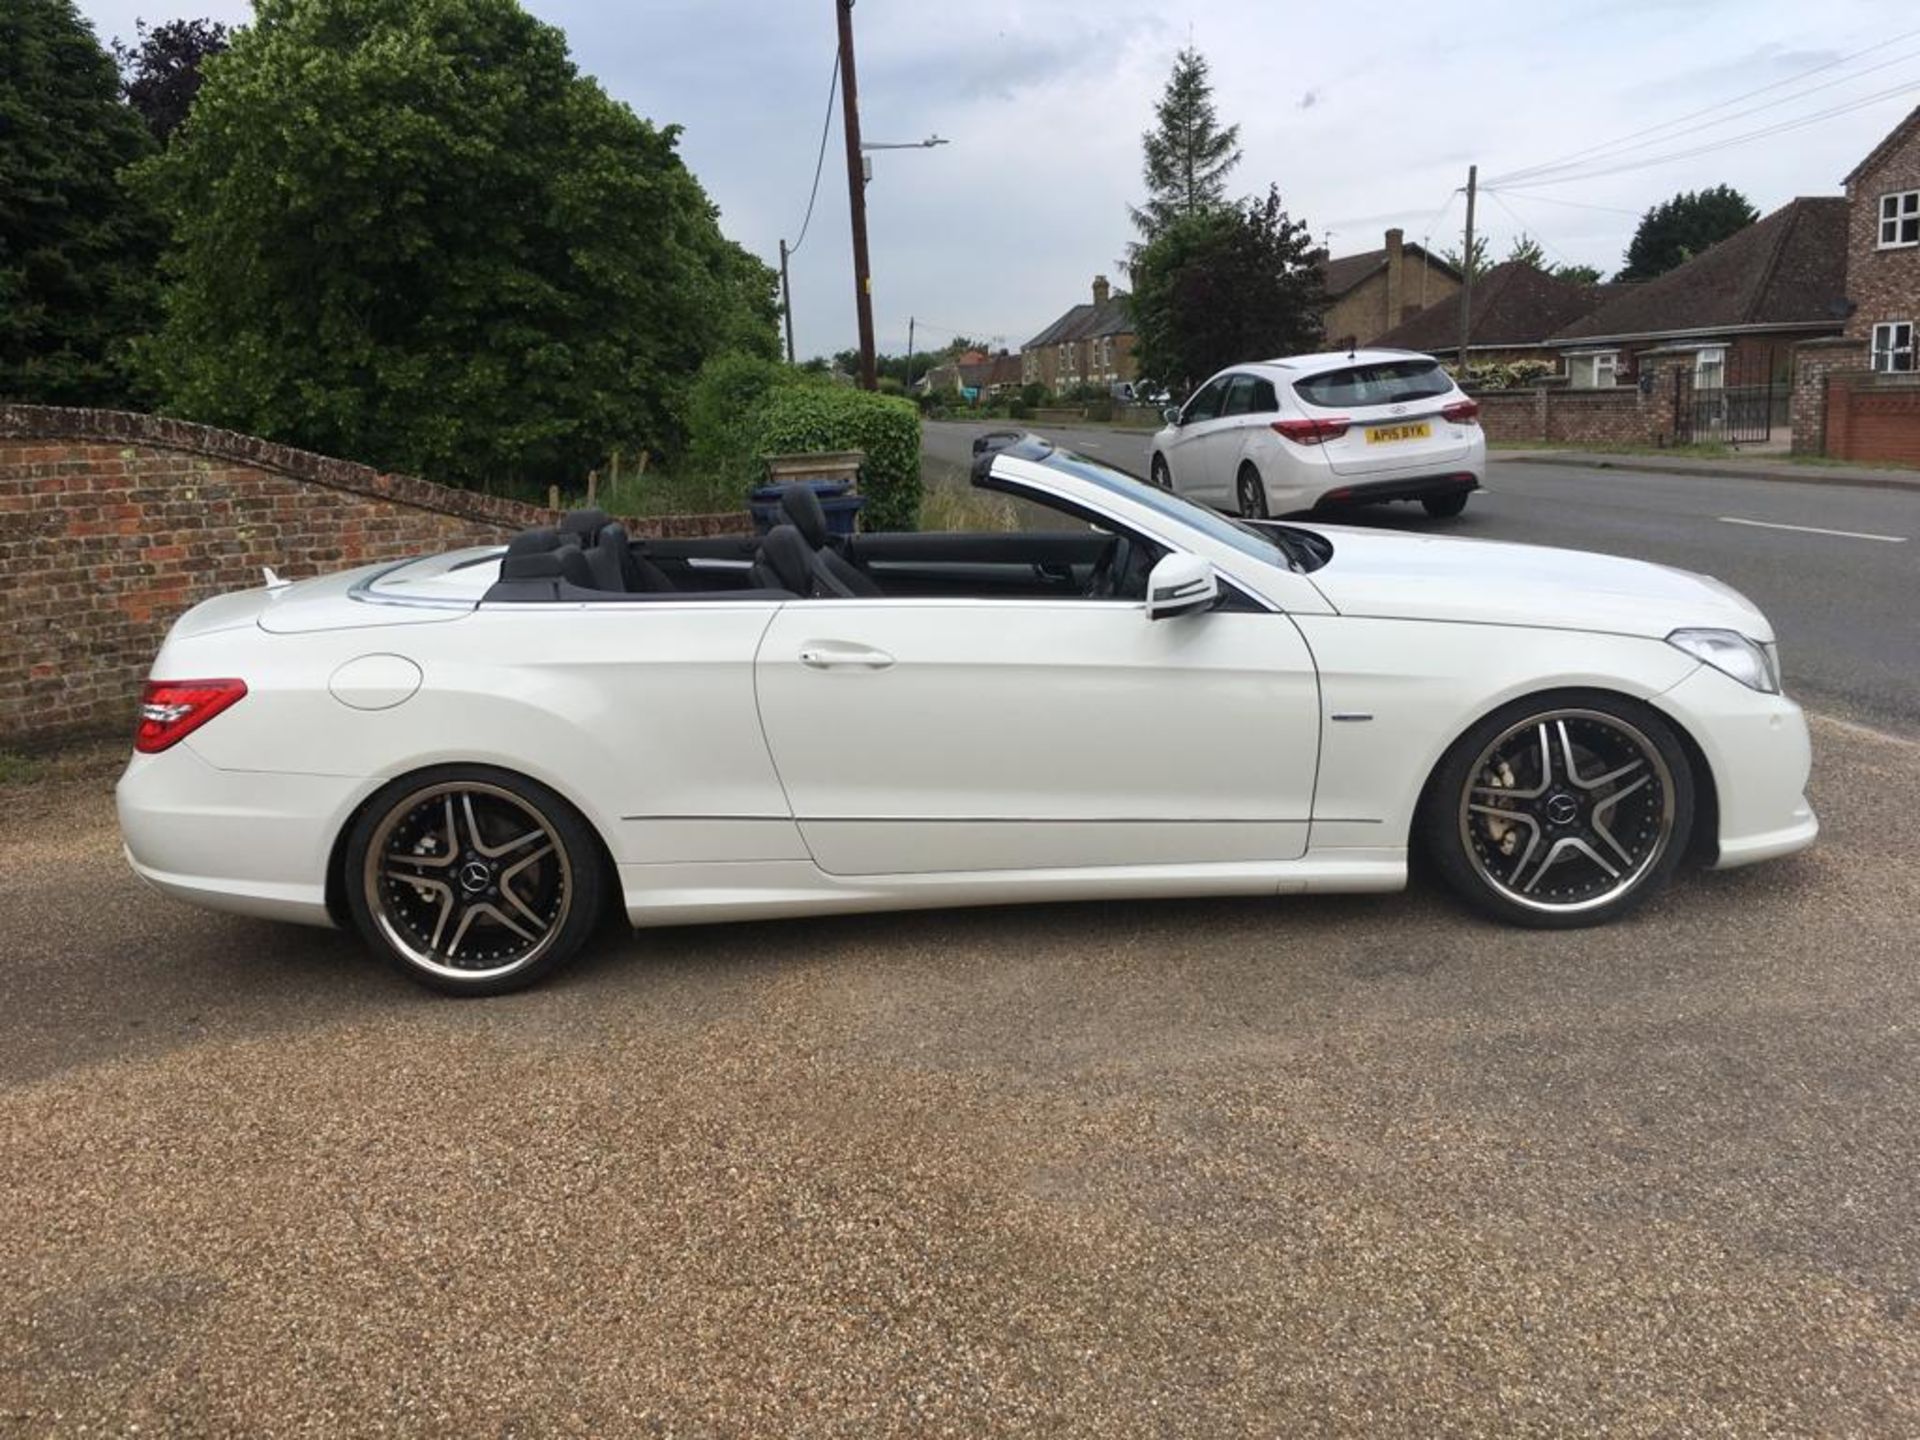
(1365, 115)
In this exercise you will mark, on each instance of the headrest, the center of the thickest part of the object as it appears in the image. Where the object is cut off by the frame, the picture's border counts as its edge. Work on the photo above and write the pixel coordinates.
(583, 525)
(533, 542)
(563, 562)
(786, 553)
(803, 508)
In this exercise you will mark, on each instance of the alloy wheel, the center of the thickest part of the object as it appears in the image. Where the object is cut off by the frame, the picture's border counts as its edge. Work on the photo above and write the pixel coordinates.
(1253, 496)
(467, 880)
(1159, 473)
(1567, 811)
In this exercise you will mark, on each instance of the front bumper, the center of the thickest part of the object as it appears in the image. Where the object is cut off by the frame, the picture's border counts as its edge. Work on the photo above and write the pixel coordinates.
(1760, 754)
(243, 841)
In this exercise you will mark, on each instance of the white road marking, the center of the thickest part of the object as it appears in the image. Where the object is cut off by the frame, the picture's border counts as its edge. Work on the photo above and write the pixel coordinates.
(1813, 530)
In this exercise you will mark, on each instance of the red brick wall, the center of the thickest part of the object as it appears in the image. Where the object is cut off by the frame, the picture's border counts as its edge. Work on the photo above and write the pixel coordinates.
(112, 524)
(1882, 284)
(1814, 362)
(1578, 417)
(1874, 418)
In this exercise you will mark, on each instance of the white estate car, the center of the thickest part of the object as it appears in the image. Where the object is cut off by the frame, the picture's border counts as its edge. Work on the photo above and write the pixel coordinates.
(1318, 432)
(471, 756)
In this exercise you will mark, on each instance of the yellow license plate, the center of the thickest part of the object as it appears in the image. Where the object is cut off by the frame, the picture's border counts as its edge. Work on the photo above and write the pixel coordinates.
(1384, 434)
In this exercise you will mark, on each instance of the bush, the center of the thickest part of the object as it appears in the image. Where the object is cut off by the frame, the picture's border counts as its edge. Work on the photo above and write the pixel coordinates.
(1034, 395)
(723, 419)
(801, 418)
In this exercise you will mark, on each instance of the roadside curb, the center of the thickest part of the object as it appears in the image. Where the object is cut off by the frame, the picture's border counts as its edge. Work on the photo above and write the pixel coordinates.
(1652, 465)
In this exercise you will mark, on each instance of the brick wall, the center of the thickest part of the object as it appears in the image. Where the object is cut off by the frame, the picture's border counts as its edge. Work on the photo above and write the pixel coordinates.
(1619, 416)
(1874, 418)
(112, 524)
(1882, 285)
(1815, 361)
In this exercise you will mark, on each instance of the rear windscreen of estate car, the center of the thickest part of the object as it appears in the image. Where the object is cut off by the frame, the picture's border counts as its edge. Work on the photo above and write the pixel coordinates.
(1389, 382)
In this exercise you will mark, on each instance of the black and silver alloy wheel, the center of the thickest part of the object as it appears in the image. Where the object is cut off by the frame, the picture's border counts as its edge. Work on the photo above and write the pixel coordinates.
(472, 881)
(1252, 494)
(1562, 814)
(1159, 473)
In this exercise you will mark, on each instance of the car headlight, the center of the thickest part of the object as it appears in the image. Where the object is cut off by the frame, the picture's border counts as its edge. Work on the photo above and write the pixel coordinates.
(1754, 665)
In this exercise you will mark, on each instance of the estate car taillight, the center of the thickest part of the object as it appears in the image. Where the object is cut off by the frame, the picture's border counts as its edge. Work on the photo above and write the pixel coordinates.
(1312, 432)
(171, 710)
(1461, 412)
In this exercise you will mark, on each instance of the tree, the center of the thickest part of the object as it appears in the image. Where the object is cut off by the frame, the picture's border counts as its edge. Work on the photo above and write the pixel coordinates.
(1674, 231)
(1526, 250)
(1187, 154)
(1578, 274)
(76, 248)
(409, 232)
(161, 75)
(1482, 257)
(1224, 285)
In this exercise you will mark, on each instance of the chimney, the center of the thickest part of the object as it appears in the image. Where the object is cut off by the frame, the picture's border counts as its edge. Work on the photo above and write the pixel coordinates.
(1100, 290)
(1395, 289)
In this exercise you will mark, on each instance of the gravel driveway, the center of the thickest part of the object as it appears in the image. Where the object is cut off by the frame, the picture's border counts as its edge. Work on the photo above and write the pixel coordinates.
(1304, 1167)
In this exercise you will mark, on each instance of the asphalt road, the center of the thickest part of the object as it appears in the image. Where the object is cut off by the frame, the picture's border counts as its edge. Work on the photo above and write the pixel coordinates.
(1307, 1167)
(1847, 608)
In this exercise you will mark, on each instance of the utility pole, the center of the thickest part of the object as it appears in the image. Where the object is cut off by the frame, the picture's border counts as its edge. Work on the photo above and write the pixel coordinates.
(1466, 277)
(856, 193)
(786, 300)
(910, 354)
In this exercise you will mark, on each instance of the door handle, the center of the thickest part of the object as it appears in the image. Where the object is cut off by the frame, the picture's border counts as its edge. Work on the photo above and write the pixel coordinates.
(856, 657)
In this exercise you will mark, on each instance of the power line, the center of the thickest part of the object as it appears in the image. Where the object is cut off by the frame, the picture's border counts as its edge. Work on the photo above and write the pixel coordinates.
(1704, 110)
(1553, 200)
(1539, 172)
(820, 161)
(1798, 123)
(1525, 229)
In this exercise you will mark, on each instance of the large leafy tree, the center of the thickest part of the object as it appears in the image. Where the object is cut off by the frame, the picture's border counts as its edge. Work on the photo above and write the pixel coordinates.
(76, 248)
(161, 74)
(1674, 231)
(1188, 153)
(1224, 285)
(409, 232)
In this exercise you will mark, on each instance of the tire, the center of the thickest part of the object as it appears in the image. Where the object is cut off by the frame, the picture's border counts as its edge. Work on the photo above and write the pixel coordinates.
(1602, 803)
(472, 880)
(1251, 494)
(1445, 507)
(1159, 473)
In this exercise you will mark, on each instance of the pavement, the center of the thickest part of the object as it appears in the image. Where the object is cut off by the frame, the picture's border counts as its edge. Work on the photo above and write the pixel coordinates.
(1305, 1167)
(1834, 564)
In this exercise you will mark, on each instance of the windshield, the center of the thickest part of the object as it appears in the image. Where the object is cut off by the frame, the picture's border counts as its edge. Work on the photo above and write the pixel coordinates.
(1390, 382)
(1275, 544)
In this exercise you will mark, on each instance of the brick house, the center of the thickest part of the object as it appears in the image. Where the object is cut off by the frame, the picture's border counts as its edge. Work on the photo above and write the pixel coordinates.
(1092, 344)
(1371, 292)
(1517, 309)
(1739, 307)
(1883, 248)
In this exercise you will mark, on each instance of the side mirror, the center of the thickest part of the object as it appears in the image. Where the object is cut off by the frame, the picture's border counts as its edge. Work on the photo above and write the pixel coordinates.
(1181, 585)
(1171, 414)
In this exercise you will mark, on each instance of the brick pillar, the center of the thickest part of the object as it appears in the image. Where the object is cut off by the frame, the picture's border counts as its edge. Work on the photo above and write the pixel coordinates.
(1657, 400)
(1814, 363)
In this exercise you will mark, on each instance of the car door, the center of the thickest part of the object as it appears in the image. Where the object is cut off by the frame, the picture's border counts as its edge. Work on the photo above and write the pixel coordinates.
(1226, 441)
(1186, 449)
(968, 735)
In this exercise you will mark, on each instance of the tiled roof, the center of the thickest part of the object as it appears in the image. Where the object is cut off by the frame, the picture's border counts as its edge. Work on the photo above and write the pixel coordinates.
(1088, 321)
(1787, 269)
(1896, 137)
(1513, 304)
(1343, 272)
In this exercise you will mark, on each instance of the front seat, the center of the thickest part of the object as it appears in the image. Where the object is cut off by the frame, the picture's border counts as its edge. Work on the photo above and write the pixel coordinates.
(802, 507)
(784, 562)
(614, 554)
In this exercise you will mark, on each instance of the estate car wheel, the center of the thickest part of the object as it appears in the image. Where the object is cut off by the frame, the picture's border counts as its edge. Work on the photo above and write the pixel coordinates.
(472, 880)
(1445, 507)
(1560, 810)
(1252, 494)
(1159, 473)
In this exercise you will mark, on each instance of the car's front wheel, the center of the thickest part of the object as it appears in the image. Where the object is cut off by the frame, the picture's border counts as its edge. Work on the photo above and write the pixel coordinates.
(1561, 810)
(1251, 492)
(472, 880)
(1159, 473)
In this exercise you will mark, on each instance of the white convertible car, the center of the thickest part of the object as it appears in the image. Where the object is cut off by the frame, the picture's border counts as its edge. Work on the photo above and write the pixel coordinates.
(470, 756)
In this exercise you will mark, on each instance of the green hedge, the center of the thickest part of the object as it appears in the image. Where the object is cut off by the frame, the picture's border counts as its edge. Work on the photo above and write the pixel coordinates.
(723, 418)
(800, 418)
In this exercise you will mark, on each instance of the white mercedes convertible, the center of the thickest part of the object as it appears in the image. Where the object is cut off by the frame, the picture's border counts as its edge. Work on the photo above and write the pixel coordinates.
(470, 757)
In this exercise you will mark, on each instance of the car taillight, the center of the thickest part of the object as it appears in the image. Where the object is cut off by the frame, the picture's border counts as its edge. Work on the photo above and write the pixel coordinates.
(170, 710)
(1461, 411)
(1312, 432)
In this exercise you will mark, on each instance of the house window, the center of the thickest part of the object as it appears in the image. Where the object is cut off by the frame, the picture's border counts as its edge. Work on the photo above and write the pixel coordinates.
(1893, 346)
(1710, 369)
(1900, 219)
(1597, 371)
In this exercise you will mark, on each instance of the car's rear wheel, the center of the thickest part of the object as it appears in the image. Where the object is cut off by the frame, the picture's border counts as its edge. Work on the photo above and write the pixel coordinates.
(1159, 473)
(1251, 492)
(1561, 810)
(472, 880)
(1445, 507)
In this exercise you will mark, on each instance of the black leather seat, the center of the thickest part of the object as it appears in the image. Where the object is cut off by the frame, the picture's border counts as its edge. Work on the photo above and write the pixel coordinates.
(785, 562)
(802, 507)
(583, 527)
(615, 557)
